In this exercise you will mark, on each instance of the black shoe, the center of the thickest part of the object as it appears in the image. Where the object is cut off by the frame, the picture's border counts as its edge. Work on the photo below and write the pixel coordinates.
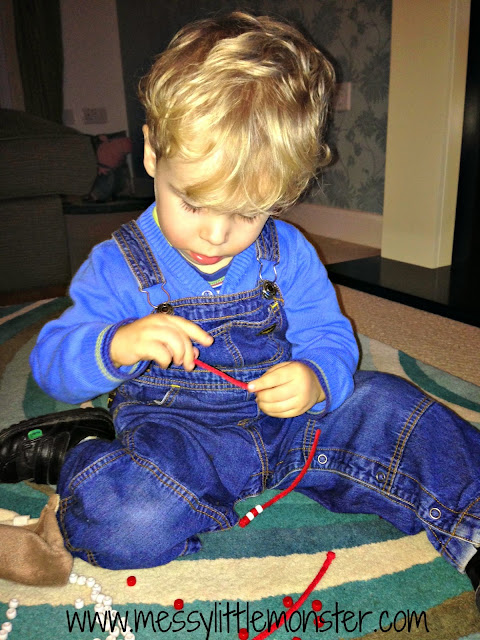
(473, 572)
(35, 449)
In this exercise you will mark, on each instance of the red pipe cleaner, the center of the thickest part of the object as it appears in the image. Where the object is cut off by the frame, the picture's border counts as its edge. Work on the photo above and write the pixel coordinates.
(328, 561)
(237, 383)
(259, 508)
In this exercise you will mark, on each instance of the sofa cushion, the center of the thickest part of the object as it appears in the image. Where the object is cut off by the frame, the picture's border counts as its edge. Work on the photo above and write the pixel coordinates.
(33, 244)
(38, 157)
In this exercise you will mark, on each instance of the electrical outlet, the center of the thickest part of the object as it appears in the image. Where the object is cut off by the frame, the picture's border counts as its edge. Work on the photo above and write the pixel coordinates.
(94, 115)
(343, 97)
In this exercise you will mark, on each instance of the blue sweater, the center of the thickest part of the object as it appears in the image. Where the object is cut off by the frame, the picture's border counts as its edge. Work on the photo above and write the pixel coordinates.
(70, 361)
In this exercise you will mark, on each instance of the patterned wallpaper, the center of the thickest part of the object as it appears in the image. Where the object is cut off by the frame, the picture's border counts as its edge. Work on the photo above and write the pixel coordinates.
(355, 34)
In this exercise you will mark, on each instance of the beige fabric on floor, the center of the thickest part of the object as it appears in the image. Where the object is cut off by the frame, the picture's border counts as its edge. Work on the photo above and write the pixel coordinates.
(333, 250)
(446, 344)
(35, 554)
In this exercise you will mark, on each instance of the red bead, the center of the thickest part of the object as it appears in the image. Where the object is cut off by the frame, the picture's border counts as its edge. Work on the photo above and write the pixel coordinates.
(319, 622)
(131, 581)
(287, 602)
(243, 634)
(316, 605)
(178, 604)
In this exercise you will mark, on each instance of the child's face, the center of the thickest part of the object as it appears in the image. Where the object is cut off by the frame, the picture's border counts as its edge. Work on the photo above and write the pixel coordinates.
(208, 239)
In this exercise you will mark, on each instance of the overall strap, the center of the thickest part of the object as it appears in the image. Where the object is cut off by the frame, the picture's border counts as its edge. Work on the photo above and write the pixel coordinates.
(139, 256)
(144, 266)
(266, 245)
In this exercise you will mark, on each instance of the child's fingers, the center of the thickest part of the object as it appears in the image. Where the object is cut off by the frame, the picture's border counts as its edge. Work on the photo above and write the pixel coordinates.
(163, 322)
(272, 378)
(175, 334)
(189, 355)
(280, 393)
(180, 347)
(161, 338)
(161, 354)
(193, 331)
(284, 409)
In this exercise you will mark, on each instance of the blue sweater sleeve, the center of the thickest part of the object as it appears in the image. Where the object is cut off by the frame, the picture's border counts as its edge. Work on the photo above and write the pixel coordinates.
(71, 359)
(319, 333)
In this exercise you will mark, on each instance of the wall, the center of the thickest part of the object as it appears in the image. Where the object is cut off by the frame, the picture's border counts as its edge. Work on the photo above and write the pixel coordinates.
(427, 95)
(356, 34)
(92, 64)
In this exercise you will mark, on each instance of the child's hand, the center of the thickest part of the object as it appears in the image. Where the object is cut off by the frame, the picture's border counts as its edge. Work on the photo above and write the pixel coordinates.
(161, 338)
(287, 390)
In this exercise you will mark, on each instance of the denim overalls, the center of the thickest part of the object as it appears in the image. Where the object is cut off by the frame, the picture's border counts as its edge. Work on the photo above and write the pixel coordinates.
(190, 445)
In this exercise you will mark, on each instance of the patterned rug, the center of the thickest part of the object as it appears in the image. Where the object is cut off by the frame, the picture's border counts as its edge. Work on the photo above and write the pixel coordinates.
(380, 584)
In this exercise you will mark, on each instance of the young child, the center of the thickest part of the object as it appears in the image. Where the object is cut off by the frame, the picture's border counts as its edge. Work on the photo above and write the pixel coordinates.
(235, 109)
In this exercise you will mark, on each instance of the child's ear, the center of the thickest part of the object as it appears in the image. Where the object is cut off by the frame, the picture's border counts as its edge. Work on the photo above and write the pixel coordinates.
(149, 155)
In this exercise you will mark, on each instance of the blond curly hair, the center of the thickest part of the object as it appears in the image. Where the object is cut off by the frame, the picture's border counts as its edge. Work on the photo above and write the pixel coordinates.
(255, 92)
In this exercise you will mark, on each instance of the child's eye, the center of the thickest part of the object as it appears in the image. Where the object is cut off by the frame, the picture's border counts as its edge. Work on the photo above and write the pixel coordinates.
(249, 219)
(189, 207)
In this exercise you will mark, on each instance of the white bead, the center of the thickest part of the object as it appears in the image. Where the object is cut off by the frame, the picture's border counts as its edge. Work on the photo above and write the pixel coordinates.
(20, 521)
(107, 601)
(79, 603)
(99, 608)
(115, 632)
(90, 582)
(81, 580)
(13, 604)
(111, 637)
(3, 634)
(7, 626)
(100, 597)
(250, 516)
(259, 508)
(73, 577)
(93, 596)
(11, 613)
(129, 636)
(97, 586)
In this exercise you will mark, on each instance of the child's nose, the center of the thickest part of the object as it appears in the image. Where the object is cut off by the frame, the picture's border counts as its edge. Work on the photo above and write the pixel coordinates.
(215, 229)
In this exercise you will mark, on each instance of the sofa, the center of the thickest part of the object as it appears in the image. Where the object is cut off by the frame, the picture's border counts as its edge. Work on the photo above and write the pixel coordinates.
(40, 163)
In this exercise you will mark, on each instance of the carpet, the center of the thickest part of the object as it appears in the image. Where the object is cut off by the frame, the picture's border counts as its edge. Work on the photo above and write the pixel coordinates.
(380, 584)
